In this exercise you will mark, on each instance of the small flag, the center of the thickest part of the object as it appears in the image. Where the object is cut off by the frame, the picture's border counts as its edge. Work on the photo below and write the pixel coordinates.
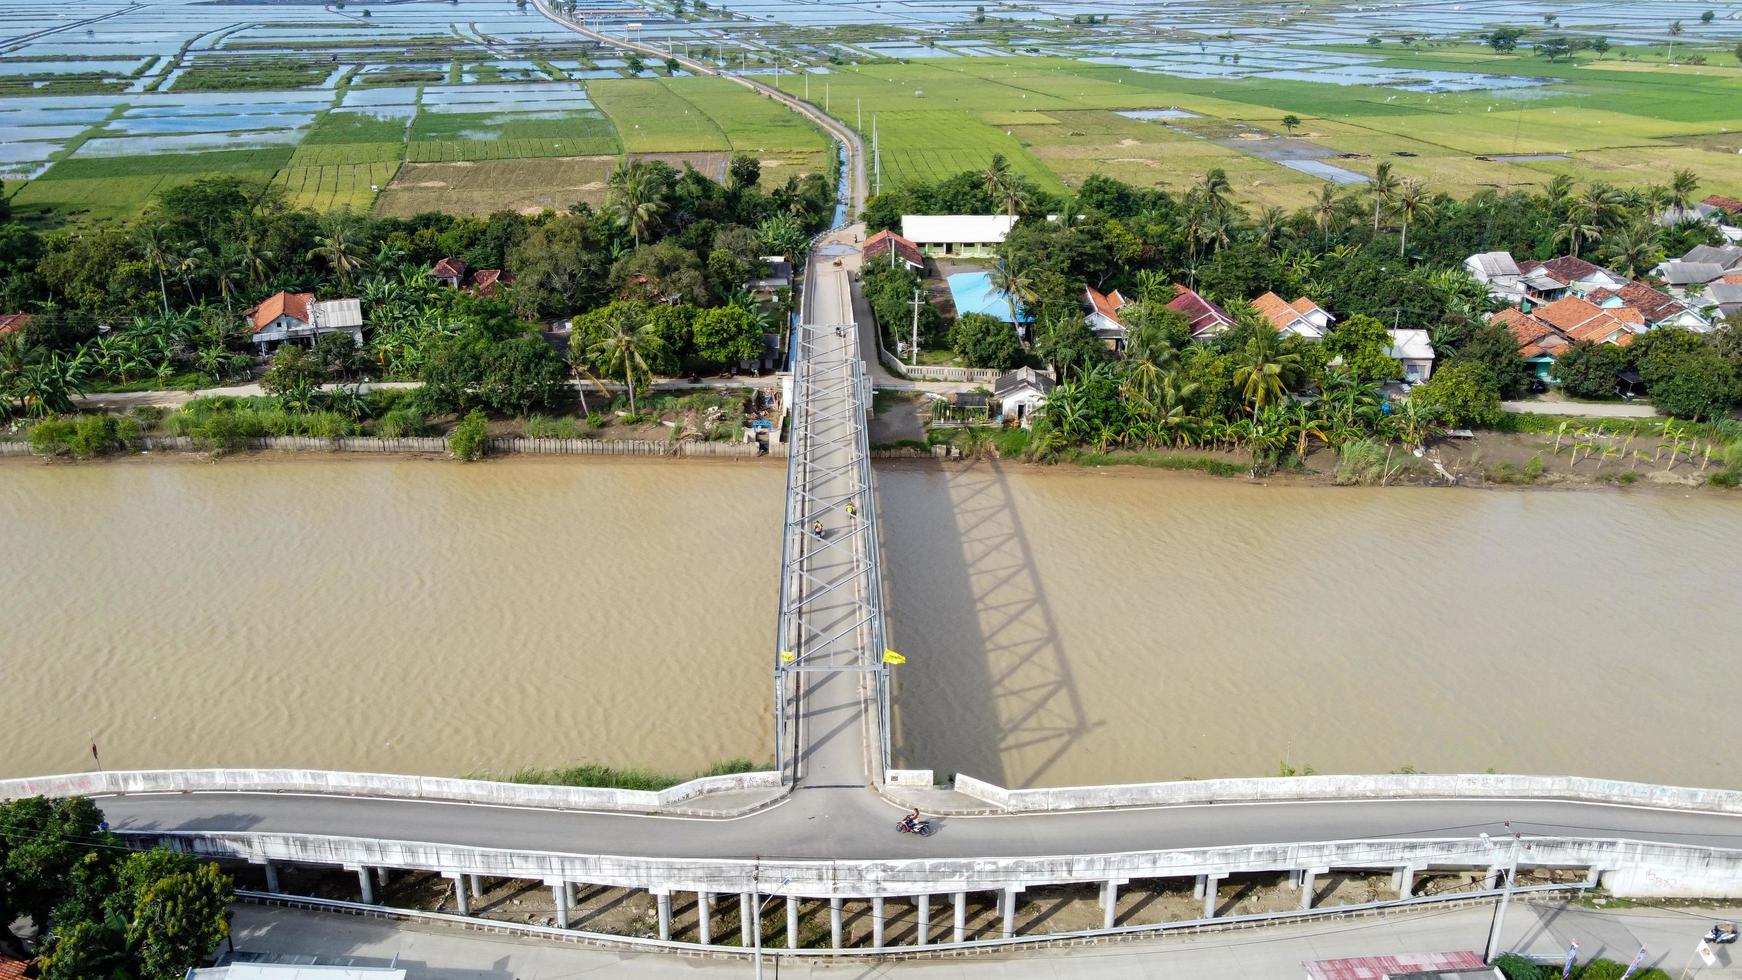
(891, 657)
(786, 657)
(1572, 955)
(1638, 961)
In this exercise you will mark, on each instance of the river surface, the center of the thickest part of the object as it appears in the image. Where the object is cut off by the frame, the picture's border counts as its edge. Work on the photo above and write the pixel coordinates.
(1061, 626)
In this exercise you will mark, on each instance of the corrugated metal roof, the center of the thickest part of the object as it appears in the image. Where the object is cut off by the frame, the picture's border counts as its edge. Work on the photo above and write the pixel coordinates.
(957, 229)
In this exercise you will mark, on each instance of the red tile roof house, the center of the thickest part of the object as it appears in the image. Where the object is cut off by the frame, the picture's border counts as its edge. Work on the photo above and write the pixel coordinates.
(1580, 276)
(1303, 317)
(1717, 204)
(12, 968)
(485, 281)
(1206, 318)
(1103, 318)
(1658, 309)
(13, 321)
(896, 248)
(451, 271)
(285, 317)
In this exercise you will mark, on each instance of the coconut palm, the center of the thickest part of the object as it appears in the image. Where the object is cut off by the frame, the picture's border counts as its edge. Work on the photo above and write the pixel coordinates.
(1682, 187)
(1213, 186)
(1412, 203)
(637, 198)
(1217, 229)
(1577, 229)
(1557, 192)
(1001, 184)
(625, 349)
(1383, 187)
(1263, 371)
(156, 252)
(339, 245)
(1634, 246)
(1016, 283)
(1326, 208)
(1152, 282)
(1271, 224)
(256, 258)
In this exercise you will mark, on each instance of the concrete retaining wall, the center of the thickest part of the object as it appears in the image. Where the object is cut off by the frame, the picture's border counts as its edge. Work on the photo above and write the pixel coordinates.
(924, 778)
(378, 784)
(1632, 868)
(439, 445)
(1381, 787)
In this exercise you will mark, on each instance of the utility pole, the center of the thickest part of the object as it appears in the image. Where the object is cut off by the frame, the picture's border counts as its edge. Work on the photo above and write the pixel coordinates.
(825, 96)
(876, 158)
(807, 86)
(1505, 897)
(913, 357)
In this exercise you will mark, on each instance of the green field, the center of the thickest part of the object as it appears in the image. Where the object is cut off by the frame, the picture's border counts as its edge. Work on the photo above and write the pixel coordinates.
(1055, 120)
(449, 136)
(113, 187)
(652, 118)
(329, 188)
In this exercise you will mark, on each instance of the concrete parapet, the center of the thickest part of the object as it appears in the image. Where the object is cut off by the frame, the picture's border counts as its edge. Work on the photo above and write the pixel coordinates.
(1634, 868)
(396, 787)
(1379, 787)
(908, 777)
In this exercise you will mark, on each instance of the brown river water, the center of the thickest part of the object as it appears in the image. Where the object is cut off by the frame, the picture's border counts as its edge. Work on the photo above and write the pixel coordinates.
(1062, 626)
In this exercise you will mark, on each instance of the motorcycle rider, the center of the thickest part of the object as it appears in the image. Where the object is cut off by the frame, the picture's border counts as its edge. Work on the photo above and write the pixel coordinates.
(910, 823)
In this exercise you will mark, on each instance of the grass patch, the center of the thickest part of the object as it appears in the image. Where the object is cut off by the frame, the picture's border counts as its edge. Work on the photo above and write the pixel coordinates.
(609, 777)
(345, 126)
(487, 186)
(652, 118)
(1163, 461)
(330, 188)
(251, 75)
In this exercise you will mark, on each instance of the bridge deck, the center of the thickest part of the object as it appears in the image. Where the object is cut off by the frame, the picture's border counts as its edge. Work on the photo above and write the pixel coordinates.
(830, 681)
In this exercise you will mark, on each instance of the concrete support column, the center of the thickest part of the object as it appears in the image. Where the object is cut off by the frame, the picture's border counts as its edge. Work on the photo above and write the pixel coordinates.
(574, 894)
(272, 877)
(381, 877)
(477, 882)
(835, 922)
(923, 912)
(877, 922)
(1110, 901)
(1008, 901)
(1210, 883)
(705, 917)
(1308, 886)
(792, 922)
(664, 900)
(1198, 887)
(559, 893)
(1495, 874)
(461, 901)
(747, 919)
(1593, 876)
(1406, 881)
(1293, 880)
(961, 933)
(366, 885)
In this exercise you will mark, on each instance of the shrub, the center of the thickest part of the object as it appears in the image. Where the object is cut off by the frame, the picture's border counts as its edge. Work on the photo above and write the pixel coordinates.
(401, 422)
(92, 435)
(1515, 967)
(329, 425)
(470, 440)
(1462, 393)
(1361, 461)
(148, 416)
(51, 437)
(540, 427)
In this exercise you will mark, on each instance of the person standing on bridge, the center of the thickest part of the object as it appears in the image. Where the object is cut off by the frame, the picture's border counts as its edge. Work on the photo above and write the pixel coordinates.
(852, 509)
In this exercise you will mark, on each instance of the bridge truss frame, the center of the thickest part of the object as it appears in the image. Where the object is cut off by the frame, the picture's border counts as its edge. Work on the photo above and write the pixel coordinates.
(801, 649)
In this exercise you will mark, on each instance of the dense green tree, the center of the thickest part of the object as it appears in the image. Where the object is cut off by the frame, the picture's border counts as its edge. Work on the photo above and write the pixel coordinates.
(1587, 370)
(1363, 344)
(519, 374)
(1461, 394)
(294, 368)
(1067, 344)
(727, 335)
(985, 341)
(1494, 348)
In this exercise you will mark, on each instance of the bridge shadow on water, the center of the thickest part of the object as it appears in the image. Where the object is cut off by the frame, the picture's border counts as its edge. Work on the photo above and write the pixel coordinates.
(988, 690)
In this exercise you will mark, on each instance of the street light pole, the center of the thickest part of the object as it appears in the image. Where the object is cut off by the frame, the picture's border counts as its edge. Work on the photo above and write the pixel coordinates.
(756, 927)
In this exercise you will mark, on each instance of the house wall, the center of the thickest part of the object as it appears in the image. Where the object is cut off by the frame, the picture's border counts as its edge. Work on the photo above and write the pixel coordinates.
(1417, 368)
(969, 250)
(1023, 405)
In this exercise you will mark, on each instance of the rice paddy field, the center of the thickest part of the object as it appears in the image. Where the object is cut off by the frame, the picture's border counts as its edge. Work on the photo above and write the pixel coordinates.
(473, 104)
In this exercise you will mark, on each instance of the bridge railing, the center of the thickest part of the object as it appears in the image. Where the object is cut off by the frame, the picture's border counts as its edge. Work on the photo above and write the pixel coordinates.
(331, 783)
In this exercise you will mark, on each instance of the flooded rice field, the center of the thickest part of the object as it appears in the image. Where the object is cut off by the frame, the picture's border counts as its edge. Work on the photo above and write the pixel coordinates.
(1061, 626)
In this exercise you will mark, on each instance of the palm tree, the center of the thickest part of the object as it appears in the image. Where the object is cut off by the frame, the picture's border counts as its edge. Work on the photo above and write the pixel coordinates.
(188, 268)
(256, 258)
(339, 247)
(1214, 188)
(1271, 222)
(625, 349)
(1557, 191)
(1016, 284)
(1263, 371)
(1682, 186)
(1412, 203)
(156, 254)
(1383, 187)
(1576, 229)
(1634, 247)
(1325, 211)
(1000, 183)
(638, 199)
(1217, 229)
(1151, 282)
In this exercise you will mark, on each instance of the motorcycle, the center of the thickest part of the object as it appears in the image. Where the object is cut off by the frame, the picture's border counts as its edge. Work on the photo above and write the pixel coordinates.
(921, 827)
(1722, 934)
